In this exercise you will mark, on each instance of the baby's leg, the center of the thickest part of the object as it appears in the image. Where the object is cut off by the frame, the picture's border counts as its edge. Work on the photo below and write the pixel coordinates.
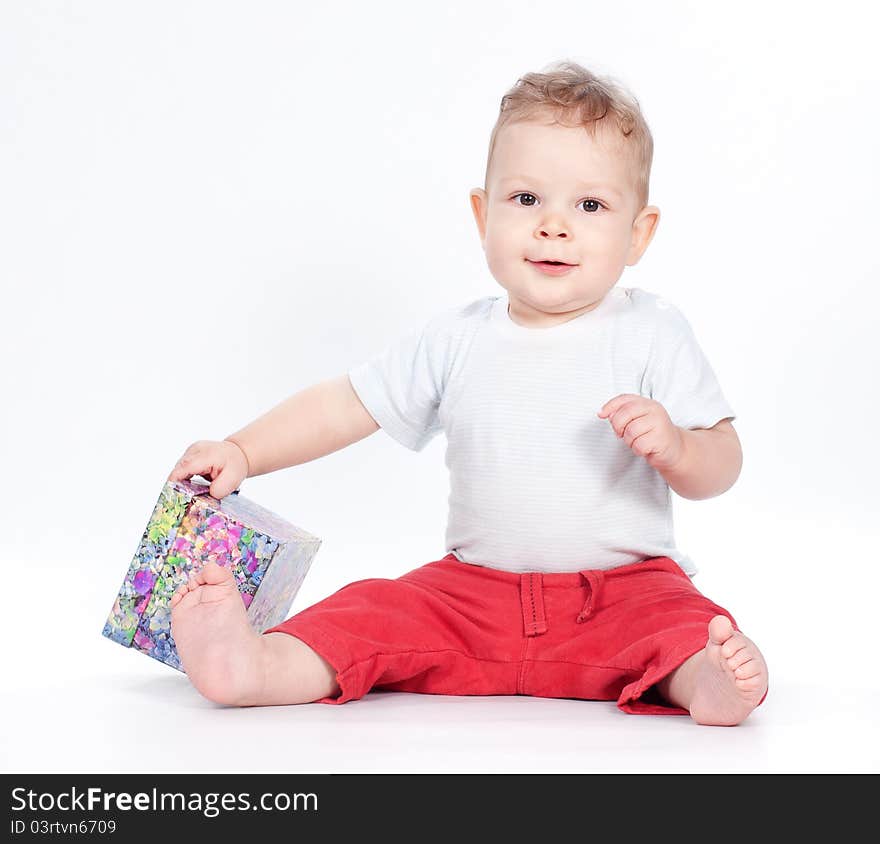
(228, 661)
(721, 684)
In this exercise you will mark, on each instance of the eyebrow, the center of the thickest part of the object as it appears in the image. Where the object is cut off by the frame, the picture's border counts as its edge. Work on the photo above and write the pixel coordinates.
(585, 185)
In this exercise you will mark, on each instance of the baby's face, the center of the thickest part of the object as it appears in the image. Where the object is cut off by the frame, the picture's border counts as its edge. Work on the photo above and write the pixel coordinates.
(554, 193)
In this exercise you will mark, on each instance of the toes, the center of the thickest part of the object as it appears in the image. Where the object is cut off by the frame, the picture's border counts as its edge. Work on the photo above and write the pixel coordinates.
(184, 598)
(720, 629)
(740, 657)
(180, 593)
(209, 575)
(213, 575)
(734, 645)
(751, 684)
(749, 669)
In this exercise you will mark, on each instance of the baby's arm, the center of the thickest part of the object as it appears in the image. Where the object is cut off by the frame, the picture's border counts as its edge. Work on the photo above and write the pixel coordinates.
(710, 462)
(696, 463)
(314, 422)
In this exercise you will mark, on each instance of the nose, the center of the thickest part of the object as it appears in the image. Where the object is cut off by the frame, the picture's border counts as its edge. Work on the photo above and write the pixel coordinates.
(552, 228)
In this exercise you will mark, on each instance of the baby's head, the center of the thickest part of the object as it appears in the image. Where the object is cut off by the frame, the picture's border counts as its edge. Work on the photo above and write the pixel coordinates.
(566, 180)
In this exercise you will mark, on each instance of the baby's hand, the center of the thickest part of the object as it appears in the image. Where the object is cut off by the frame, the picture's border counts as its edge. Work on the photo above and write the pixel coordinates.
(222, 463)
(646, 428)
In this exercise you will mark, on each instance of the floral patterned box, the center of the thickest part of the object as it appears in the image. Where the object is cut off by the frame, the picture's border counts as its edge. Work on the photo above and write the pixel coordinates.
(269, 558)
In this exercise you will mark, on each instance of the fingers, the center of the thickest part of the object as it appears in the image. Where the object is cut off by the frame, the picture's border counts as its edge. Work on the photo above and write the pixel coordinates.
(640, 422)
(198, 459)
(223, 464)
(613, 404)
(634, 426)
(625, 414)
(221, 481)
(222, 485)
(186, 467)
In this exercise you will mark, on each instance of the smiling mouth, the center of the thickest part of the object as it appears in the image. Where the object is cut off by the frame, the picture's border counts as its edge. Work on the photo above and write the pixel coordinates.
(551, 263)
(552, 268)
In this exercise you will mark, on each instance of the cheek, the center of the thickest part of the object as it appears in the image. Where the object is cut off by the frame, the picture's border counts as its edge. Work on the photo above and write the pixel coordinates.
(606, 241)
(502, 246)
(495, 257)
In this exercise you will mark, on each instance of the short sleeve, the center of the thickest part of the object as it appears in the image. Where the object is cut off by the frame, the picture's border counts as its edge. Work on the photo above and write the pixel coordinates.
(680, 377)
(402, 386)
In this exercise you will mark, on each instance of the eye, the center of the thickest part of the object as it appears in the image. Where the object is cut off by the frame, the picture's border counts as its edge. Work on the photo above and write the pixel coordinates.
(593, 202)
(530, 200)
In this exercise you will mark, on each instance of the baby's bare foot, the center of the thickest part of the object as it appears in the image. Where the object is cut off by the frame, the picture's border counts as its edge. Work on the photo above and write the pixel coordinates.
(221, 653)
(730, 679)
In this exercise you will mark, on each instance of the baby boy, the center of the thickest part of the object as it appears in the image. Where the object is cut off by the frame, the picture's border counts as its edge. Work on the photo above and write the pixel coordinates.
(571, 407)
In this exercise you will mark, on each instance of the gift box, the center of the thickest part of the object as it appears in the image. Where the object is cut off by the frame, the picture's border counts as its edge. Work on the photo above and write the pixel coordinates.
(269, 558)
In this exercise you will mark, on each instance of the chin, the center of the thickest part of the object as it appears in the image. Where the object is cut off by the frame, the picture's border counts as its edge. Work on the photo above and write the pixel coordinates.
(551, 295)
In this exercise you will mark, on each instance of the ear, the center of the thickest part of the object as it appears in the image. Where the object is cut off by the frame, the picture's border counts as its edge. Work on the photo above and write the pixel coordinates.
(643, 228)
(480, 207)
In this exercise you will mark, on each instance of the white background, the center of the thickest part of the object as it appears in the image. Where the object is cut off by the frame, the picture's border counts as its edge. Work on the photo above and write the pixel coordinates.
(206, 207)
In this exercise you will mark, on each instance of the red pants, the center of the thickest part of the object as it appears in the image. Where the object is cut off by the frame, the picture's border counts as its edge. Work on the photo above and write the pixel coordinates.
(454, 628)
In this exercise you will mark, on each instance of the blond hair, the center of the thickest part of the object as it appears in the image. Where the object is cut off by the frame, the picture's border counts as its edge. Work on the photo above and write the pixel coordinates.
(574, 96)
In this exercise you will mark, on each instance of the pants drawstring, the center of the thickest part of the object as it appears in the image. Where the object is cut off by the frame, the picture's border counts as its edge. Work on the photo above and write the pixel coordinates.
(595, 579)
(532, 596)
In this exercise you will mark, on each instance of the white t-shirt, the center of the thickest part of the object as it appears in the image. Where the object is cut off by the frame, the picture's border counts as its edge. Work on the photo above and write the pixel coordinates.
(538, 482)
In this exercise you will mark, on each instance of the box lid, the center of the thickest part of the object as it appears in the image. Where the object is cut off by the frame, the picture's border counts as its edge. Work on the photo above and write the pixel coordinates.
(247, 512)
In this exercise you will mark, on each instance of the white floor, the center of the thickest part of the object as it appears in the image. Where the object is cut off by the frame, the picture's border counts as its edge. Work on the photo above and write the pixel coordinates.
(136, 715)
(73, 701)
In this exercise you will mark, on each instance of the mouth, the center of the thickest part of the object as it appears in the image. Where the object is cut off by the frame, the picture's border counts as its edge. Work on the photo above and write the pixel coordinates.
(552, 267)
